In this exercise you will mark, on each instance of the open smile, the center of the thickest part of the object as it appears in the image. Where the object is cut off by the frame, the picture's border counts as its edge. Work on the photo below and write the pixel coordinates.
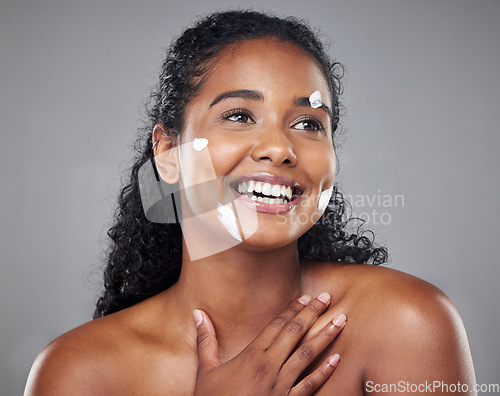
(267, 193)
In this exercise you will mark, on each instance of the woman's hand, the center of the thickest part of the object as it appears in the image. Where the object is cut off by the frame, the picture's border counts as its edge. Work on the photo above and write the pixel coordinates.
(265, 366)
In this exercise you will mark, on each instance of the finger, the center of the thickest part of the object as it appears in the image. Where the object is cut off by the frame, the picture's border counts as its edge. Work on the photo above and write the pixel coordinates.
(265, 339)
(317, 378)
(310, 350)
(208, 351)
(294, 330)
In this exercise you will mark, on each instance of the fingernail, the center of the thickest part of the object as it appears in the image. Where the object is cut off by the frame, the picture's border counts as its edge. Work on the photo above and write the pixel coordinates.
(334, 359)
(198, 317)
(304, 299)
(339, 320)
(324, 297)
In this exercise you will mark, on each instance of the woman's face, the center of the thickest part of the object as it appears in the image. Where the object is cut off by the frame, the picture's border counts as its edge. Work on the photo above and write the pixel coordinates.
(263, 135)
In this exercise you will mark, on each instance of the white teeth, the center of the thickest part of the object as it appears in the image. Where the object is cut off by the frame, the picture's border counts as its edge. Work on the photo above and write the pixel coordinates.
(251, 185)
(242, 188)
(276, 191)
(269, 201)
(266, 189)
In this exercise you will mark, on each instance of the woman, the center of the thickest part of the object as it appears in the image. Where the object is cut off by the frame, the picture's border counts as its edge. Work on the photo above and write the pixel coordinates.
(246, 295)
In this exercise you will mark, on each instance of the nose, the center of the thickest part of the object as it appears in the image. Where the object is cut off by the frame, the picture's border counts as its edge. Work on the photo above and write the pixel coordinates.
(274, 145)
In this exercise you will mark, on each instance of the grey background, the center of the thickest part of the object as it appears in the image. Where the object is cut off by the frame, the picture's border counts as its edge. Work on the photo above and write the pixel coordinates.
(422, 105)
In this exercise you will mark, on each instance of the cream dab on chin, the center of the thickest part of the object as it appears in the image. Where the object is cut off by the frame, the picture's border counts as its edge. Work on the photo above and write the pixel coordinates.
(324, 198)
(315, 100)
(228, 220)
(200, 143)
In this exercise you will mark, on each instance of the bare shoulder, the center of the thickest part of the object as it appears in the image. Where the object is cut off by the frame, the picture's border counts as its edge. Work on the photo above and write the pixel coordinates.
(117, 354)
(76, 362)
(388, 299)
(404, 327)
(378, 288)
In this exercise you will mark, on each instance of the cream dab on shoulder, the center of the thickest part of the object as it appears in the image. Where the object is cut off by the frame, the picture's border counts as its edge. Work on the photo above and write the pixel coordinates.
(200, 143)
(315, 100)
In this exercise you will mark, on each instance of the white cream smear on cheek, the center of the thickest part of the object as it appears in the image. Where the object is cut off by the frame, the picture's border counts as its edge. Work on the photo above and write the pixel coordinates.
(228, 220)
(200, 143)
(315, 100)
(324, 198)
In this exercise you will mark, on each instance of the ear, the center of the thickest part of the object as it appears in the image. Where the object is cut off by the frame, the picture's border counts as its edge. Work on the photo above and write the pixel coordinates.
(166, 155)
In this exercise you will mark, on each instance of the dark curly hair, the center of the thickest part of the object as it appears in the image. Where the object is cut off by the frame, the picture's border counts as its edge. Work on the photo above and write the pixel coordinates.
(144, 257)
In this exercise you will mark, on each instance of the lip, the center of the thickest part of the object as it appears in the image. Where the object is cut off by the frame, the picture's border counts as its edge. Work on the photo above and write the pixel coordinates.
(266, 177)
(266, 208)
(269, 178)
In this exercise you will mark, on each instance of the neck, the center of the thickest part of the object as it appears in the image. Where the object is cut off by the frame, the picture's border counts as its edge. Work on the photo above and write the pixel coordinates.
(241, 291)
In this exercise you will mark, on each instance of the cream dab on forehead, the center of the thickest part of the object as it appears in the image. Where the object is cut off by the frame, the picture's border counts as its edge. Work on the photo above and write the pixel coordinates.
(200, 143)
(315, 99)
(228, 220)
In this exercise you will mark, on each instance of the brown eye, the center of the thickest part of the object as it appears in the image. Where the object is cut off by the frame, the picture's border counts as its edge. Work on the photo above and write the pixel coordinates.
(239, 118)
(309, 125)
(238, 115)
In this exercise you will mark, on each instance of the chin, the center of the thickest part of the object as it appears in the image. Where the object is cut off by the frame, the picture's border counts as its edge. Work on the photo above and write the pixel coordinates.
(264, 239)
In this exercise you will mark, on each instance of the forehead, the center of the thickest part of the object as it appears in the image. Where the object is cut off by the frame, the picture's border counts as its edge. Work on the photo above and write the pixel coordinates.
(273, 67)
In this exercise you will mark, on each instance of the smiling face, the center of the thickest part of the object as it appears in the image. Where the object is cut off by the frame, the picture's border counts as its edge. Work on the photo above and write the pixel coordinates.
(267, 146)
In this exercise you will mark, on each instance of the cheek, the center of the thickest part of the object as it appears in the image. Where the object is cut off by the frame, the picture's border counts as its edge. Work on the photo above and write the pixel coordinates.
(321, 166)
(199, 182)
(227, 153)
(331, 168)
(196, 165)
(203, 161)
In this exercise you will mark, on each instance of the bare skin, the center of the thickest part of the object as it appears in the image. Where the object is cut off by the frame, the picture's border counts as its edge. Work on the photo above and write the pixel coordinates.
(398, 328)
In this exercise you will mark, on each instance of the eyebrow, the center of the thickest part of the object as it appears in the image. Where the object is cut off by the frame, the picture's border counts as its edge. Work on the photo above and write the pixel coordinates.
(258, 96)
(303, 101)
(240, 93)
